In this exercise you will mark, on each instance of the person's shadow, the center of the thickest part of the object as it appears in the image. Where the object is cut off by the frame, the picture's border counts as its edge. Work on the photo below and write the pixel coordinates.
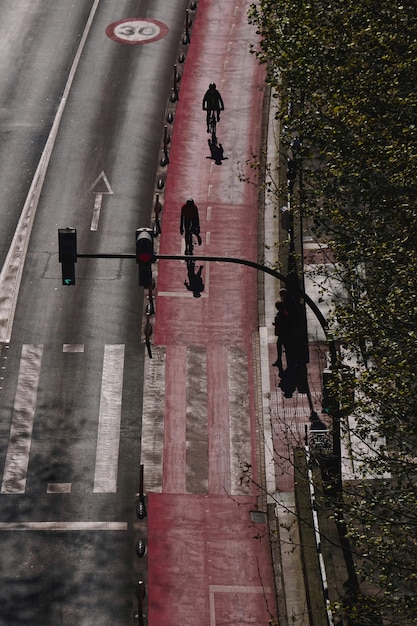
(195, 281)
(216, 151)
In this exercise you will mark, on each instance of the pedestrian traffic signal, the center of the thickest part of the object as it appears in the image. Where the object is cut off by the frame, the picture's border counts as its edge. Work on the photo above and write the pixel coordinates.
(67, 247)
(145, 255)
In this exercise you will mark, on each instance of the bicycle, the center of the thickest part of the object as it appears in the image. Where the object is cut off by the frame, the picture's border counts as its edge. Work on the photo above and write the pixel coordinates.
(213, 123)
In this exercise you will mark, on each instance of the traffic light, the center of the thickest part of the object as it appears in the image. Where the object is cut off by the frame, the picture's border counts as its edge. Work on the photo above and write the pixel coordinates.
(145, 256)
(67, 246)
(329, 398)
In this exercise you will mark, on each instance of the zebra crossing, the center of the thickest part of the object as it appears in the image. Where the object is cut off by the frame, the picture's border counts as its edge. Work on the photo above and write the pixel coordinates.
(197, 431)
(17, 456)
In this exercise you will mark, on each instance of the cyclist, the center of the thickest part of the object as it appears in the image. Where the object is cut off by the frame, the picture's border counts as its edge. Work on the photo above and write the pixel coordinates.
(212, 101)
(190, 220)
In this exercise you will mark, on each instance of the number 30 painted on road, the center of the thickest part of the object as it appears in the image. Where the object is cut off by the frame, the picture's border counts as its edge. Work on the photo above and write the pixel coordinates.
(136, 30)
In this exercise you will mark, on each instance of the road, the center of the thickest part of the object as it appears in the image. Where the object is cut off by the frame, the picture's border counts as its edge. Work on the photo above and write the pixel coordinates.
(72, 358)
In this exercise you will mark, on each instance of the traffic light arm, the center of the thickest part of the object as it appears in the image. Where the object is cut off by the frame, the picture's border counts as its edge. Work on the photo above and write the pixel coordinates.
(287, 281)
(262, 268)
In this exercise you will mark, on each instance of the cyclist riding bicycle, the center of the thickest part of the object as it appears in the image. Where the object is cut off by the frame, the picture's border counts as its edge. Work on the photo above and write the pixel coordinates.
(212, 101)
(190, 221)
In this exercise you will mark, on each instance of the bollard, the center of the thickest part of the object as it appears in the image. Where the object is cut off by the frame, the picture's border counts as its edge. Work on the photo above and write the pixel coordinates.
(140, 506)
(167, 138)
(186, 38)
(140, 548)
(140, 592)
(157, 222)
(175, 86)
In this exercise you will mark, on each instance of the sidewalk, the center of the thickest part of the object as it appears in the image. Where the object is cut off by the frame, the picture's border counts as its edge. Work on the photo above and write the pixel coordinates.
(217, 432)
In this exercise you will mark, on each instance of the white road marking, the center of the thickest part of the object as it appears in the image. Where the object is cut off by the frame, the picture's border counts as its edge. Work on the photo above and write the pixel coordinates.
(214, 589)
(266, 426)
(73, 347)
(179, 294)
(96, 211)
(11, 273)
(17, 457)
(108, 439)
(107, 188)
(63, 526)
(59, 488)
(99, 192)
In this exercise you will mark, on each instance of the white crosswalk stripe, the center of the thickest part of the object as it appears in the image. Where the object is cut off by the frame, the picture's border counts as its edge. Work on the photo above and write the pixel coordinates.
(17, 457)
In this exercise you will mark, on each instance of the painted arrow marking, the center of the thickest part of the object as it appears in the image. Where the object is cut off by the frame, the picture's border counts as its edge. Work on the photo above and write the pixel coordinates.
(99, 187)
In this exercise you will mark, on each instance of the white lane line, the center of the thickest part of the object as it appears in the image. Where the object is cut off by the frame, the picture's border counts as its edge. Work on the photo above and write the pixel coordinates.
(208, 213)
(17, 457)
(108, 439)
(11, 274)
(63, 526)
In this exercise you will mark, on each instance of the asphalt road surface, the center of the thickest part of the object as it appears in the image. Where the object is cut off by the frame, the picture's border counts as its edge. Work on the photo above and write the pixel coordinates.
(86, 100)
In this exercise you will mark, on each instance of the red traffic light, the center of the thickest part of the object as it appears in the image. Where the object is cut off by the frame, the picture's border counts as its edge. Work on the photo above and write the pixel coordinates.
(144, 246)
(144, 256)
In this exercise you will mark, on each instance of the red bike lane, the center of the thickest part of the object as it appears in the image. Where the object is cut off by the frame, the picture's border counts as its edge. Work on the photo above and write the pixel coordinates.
(209, 559)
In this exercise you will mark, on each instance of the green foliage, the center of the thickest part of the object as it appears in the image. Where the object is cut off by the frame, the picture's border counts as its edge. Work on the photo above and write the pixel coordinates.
(345, 74)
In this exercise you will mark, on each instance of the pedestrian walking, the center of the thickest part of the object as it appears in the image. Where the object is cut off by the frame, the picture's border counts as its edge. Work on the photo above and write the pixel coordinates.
(284, 322)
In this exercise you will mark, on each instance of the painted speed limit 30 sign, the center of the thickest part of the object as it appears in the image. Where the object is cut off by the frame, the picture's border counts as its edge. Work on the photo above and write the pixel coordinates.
(136, 30)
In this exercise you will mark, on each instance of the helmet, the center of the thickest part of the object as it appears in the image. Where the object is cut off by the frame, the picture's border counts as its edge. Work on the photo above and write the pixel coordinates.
(190, 201)
(212, 86)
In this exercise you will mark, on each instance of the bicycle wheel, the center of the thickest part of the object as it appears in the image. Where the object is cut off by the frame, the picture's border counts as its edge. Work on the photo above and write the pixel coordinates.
(213, 123)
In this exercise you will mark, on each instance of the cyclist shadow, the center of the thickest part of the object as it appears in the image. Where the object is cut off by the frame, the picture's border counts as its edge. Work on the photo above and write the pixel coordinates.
(216, 150)
(195, 282)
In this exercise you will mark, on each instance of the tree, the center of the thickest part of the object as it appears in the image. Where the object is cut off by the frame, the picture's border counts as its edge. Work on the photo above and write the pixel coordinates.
(345, 76)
